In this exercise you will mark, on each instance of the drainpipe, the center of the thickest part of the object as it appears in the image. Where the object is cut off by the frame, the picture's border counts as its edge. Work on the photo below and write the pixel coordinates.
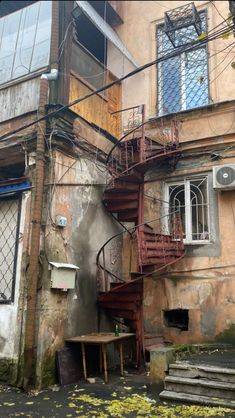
(30, 342)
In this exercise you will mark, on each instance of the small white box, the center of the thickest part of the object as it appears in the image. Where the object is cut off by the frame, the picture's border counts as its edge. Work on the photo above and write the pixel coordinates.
(61, 221)
(62, 275)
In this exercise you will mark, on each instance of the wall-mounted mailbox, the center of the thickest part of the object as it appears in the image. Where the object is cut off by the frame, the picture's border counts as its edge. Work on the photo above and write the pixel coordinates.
(62, 275)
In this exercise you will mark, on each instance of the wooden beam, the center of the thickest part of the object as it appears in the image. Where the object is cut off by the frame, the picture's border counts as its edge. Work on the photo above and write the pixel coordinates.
(84, 131)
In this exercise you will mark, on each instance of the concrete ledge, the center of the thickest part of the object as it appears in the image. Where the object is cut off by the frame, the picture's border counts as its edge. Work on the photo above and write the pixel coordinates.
(160, 358)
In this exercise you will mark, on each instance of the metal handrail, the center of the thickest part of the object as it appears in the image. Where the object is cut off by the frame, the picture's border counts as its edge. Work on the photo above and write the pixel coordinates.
(141, 125)
(131, 231)
(128, 133)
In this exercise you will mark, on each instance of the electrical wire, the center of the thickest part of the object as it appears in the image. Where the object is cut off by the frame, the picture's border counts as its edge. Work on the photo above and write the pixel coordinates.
(194, 45)
(161, 5)
(84, 77)
(222, 61)
(231, 46)
(216, 8)
(62, 45)
(218, 75)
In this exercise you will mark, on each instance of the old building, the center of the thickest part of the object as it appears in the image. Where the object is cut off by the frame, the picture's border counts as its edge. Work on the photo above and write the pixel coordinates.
(48, 180)
(151, 210)
(195, 90)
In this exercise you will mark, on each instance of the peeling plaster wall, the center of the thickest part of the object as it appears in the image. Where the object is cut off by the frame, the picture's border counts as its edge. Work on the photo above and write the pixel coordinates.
(204, 280)
(210, 301)
(66, 314)
(206, 286)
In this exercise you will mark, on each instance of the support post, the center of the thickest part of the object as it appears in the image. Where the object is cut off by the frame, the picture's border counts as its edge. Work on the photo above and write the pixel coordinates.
(30, 346)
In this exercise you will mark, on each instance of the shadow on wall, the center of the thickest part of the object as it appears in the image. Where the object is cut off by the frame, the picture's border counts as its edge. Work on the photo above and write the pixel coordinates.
(227, 336)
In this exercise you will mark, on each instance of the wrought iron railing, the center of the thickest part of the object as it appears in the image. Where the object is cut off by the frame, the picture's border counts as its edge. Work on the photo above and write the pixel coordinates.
(134, 147)
(167, 229)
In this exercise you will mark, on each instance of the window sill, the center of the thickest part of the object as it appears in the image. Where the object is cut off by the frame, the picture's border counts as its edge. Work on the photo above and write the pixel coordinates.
(23, 78)
(204, 242)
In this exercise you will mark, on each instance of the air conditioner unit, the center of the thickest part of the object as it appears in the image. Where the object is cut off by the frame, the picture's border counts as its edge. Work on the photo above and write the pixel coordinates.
(224, 177)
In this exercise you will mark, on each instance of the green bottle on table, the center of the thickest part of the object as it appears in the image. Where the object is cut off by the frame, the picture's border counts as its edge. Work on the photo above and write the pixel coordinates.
(116, 332)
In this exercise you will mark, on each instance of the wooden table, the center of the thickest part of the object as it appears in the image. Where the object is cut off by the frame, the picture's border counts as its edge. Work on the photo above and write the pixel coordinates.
(101, 339)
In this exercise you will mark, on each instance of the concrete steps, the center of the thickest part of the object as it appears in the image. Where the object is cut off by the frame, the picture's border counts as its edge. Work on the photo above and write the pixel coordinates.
(200, 387)
(202, 384)
(195, 399)
(202, 371)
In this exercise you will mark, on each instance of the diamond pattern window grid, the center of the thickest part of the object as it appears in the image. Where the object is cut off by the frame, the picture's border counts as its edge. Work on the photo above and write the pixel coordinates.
(9, 224)
(182, 81)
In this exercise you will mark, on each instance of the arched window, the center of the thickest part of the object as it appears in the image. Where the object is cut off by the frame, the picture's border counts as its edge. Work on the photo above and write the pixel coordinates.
(190, 198)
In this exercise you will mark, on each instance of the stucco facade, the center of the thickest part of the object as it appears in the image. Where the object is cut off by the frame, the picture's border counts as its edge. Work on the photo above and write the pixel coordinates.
(203, 281)
(70, 169)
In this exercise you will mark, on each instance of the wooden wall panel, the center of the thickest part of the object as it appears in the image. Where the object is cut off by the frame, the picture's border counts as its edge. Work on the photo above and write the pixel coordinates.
(17, 99)
(97, 109)
(114, 104)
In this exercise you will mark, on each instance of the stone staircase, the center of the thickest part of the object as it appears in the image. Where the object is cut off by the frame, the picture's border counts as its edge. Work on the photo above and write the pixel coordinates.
(200, 384)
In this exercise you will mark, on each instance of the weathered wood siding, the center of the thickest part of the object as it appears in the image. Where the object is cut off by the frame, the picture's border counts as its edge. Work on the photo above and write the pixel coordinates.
(18, 99)
(98, 108)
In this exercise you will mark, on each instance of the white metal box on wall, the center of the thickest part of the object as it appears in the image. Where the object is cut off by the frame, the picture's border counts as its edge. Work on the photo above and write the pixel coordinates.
(62, 275)
(224, 177)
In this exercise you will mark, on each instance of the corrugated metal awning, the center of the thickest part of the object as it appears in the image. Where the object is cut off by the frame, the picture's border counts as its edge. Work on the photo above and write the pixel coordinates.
(105, 28)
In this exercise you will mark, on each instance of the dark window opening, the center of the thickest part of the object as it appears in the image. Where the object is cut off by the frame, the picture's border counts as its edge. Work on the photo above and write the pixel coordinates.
(91, 38)
(12, 171)
(109, 12)
(177, 318)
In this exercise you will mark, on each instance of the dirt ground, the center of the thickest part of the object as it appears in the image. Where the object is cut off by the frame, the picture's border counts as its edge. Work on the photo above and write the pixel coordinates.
(129, 396)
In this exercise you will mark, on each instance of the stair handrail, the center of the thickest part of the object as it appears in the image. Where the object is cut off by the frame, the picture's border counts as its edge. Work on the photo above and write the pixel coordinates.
(128, 133)
(141, 125)
(133, 229)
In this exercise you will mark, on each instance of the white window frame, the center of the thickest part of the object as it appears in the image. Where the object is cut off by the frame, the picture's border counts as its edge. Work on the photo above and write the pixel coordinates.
(188, 209)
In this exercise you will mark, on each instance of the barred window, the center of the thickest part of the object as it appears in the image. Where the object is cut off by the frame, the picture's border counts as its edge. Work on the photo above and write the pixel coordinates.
(190, 199)
(9, 231)
(25, 37)
(182, 81)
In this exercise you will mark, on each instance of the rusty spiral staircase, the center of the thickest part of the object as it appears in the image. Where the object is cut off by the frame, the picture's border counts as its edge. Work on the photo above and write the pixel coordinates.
(151, 246)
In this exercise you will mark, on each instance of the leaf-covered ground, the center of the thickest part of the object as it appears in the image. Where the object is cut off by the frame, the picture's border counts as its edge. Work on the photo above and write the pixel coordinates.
(122, 397)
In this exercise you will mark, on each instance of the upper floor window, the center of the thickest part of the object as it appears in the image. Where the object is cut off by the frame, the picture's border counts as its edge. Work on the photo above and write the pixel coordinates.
(190, 198)
(25, 41)
(89, 52)
(182, 81)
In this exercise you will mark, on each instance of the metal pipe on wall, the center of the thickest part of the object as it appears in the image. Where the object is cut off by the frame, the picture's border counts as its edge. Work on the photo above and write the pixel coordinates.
(30, 346)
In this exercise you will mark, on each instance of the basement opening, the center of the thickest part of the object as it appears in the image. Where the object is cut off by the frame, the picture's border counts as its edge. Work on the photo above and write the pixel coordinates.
(177, 318)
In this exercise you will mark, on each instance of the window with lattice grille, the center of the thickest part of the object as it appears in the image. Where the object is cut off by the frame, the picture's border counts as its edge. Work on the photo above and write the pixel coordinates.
(9, 231)
(189, 198)
(182, 81)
